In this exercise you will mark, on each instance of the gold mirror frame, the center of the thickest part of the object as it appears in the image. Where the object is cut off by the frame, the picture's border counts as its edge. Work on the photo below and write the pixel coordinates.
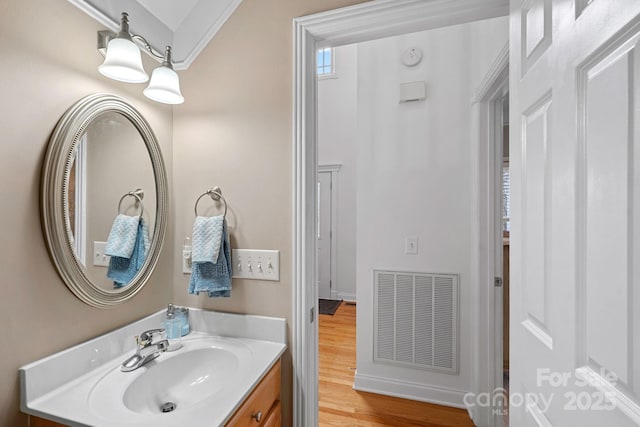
(54, 201)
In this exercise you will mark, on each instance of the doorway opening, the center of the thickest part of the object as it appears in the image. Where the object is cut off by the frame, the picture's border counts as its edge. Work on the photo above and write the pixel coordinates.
(503, 216)
(328, 238)
(505, 213)
(404, 197)
(359, 23)
(490, 232)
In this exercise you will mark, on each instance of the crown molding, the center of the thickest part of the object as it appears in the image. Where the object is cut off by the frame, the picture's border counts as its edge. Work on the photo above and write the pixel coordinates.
(190, 38)
(394, 17)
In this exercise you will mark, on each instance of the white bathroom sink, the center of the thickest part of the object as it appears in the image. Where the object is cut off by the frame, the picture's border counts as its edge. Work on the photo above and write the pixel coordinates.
(203, 383)
(179, 382)
(203, 370)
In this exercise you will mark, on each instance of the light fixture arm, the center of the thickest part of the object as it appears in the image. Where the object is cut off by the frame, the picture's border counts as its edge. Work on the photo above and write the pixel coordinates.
(123, 63)
(105, 36)
(148, 47)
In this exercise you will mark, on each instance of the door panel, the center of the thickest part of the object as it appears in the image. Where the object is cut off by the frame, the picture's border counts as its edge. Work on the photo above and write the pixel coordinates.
(575, 199)
(607, 153)
(535, 192)
(536, 30)
(608, 85)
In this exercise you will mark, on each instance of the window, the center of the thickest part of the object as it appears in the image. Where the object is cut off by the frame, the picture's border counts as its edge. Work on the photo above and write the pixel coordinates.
(506, 198)
(324, 61)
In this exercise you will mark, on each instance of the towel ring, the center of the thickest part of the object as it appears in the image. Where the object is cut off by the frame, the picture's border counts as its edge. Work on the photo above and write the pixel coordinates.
(216, 194)
(138, 194)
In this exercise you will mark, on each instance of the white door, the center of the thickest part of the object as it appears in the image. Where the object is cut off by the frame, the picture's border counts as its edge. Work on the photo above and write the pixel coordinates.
(324, 235)
(575, 227)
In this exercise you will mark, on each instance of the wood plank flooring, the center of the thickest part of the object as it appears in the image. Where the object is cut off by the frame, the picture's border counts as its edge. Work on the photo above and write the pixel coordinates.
(340, 405)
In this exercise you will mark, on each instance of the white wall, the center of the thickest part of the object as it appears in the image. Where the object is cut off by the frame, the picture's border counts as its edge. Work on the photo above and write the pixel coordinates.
(412, 178)
(337, 115)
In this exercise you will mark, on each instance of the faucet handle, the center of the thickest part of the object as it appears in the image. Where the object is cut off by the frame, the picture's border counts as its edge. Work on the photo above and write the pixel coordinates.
(146, 337)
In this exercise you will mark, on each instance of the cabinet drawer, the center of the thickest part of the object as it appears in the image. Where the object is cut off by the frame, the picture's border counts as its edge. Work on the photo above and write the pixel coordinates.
(274, 419)
(41, 422)
(259, 402)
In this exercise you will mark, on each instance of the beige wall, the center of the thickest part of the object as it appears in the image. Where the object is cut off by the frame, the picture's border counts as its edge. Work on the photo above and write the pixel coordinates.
(49, 61)
(235, 131)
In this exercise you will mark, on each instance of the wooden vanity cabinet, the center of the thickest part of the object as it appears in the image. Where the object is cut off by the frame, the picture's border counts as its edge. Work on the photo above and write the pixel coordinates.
(41, 422)
(275, 417)
(262, 407)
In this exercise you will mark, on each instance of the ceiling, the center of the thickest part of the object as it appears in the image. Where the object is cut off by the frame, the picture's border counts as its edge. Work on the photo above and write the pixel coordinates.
(186, 25)
(171, 13)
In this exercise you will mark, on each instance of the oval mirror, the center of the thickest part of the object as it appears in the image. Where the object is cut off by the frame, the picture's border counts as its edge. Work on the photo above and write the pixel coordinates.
(104, 200)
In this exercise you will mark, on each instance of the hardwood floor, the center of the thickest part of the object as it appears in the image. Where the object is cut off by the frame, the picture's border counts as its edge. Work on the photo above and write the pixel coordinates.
(340, 405)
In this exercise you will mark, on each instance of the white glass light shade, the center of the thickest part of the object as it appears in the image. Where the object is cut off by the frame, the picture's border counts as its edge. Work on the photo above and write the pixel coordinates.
(123, 62)
(164, 86)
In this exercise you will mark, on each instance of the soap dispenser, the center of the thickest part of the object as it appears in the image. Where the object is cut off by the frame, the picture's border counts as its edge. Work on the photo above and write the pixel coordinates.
(173, 328)
(182, 313)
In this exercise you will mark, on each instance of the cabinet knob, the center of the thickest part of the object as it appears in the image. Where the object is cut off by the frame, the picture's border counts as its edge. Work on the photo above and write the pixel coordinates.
(257, 416)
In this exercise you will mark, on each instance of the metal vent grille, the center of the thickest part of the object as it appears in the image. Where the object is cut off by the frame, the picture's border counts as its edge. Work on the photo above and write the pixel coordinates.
(416, 320)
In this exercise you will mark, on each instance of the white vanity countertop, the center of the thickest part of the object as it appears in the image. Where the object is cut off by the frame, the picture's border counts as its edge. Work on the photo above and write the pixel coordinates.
(58, 387)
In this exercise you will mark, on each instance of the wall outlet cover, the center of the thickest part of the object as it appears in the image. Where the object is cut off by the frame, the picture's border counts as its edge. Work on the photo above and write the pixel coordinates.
(186, 261)
(411, 245)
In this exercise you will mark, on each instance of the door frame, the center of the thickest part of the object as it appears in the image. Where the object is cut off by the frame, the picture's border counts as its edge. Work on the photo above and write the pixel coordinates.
(486, 253)
(367, 21)
(333, 251)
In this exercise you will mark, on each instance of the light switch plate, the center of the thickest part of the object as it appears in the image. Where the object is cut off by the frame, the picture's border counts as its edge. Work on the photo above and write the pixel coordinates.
(99, 258)
(256, 264)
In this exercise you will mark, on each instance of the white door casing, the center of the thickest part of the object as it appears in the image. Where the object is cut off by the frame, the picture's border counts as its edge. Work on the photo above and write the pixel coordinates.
(359, 23)
(486, 238)
(575, 201)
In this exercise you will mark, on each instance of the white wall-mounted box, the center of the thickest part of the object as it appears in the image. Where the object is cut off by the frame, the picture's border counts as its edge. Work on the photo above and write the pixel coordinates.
(413, 91)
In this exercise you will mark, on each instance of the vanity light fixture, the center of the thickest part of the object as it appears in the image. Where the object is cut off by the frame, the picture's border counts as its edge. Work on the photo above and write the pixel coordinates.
(123, 62)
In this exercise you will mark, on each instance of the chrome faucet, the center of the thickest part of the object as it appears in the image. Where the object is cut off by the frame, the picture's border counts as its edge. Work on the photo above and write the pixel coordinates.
(148, 349)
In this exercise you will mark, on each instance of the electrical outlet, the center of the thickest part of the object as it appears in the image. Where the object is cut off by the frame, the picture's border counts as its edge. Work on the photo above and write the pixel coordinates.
(411, 245)
(186, 261)
(99, 258)
(256, 264)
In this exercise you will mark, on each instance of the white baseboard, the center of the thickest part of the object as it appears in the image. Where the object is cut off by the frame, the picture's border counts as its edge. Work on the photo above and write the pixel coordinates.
(473, 414)
(409, 390)
(347, 297)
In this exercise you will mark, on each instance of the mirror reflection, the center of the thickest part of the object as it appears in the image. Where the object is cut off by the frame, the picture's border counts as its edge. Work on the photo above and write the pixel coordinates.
(111, 201)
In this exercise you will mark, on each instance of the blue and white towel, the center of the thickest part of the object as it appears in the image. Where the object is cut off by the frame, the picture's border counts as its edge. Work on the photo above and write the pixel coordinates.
(123, 269)
(213, 277)
(206, 238)
(122, 237)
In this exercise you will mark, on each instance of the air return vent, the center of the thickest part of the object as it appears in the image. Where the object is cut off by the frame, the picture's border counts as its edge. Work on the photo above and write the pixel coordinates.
(416, 320)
